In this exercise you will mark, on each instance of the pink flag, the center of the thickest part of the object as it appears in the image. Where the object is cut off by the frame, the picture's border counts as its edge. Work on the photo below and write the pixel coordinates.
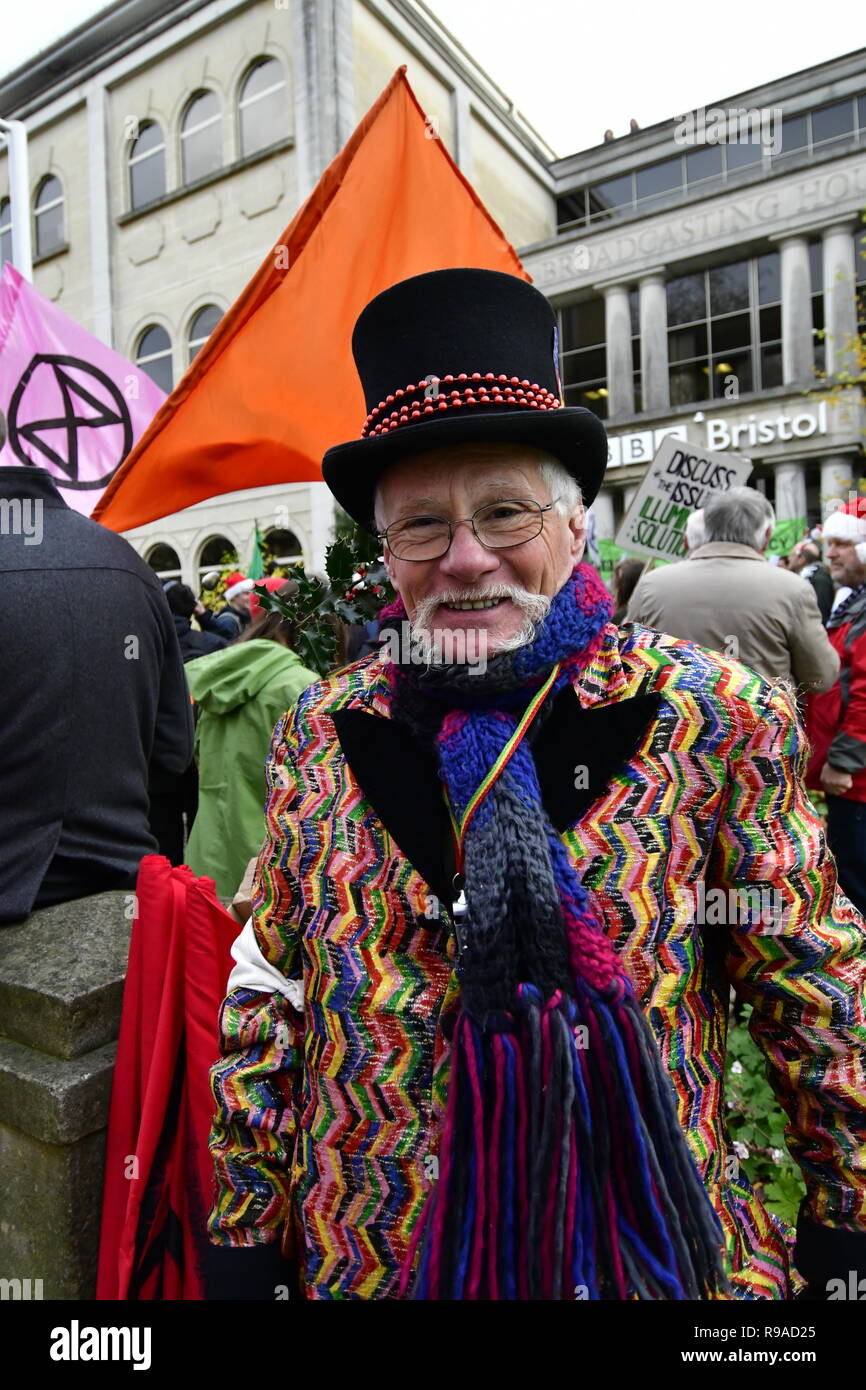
(72, 405)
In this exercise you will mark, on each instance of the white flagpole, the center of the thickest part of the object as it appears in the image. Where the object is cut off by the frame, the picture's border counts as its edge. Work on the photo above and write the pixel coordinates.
(15, 133)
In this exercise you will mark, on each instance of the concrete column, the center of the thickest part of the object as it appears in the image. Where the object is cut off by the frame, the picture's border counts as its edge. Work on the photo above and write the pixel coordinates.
(321, 525)
(617, 334)
(655, 382)
(99, 161)
(840, 301)
(798, 356)
(61, 985)
(602, 510)
(462, 117)
(628, 494)
(324, 85)
(837, 482)
(790, 490)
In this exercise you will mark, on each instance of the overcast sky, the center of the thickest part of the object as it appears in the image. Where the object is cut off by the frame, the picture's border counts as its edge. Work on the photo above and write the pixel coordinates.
(574, 69)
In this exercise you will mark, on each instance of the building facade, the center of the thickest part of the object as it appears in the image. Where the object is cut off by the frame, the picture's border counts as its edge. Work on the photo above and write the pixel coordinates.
(706, 271)
(169, 146)
(703, 270)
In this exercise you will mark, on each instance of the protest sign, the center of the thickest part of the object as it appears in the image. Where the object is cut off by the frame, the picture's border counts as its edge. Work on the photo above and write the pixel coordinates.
(681, 478)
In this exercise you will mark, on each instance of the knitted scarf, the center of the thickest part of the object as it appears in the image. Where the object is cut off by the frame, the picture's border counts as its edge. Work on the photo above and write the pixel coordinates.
(563, 1171)
(840, 614)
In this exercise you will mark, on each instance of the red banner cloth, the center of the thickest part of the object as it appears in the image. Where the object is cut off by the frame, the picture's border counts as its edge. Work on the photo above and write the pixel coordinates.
(158, 1174)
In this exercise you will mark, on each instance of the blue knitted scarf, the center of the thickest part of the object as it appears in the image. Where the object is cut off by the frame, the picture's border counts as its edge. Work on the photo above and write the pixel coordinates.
(563, 1171)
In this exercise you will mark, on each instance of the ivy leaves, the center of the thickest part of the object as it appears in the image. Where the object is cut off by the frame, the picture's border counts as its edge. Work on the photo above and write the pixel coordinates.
(757, 1125)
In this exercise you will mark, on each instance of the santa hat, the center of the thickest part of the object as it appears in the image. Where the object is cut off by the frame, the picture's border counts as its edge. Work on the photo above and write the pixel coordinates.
(237, 584)
(849, 524)
(273, 583)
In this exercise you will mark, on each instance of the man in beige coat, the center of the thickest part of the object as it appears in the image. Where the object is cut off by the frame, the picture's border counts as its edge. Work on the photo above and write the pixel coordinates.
(727, 597)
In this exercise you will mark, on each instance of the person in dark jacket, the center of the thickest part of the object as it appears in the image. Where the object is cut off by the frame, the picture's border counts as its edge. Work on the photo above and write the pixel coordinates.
(93, 700)
(174, 800)
(184, 605)
(805, 560)
(231, 620)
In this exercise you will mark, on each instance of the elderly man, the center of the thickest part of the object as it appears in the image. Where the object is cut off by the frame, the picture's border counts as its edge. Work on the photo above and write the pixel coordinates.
(720, 598)
(473, 1045)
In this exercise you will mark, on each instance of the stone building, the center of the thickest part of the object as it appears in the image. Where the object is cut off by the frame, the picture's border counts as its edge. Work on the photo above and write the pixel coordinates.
(702, 269)
(705, 269)
(171, 143)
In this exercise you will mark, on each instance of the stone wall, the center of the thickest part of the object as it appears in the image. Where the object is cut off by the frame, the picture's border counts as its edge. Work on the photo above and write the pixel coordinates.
(61, 988)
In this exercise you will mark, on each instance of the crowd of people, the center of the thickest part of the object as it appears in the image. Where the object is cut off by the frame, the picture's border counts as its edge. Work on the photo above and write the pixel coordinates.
(798, 621)
(473, 1045)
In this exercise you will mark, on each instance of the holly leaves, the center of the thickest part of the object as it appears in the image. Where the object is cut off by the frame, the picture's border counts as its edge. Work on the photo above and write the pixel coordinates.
(353, 590)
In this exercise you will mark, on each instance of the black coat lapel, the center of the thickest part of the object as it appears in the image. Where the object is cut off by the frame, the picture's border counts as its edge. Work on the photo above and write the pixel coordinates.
(599, 739)
(401, 783)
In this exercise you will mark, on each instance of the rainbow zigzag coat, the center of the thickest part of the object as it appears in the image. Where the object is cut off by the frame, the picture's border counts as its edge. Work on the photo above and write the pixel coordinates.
(673, 775)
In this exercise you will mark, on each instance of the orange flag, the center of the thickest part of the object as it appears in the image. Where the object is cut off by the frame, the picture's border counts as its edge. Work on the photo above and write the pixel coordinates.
(275, 384)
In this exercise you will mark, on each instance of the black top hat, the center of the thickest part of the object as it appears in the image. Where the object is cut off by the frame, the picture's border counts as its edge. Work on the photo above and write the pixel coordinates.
(453, 357)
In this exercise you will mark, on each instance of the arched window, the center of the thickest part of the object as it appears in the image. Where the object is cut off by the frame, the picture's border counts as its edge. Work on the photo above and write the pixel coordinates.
(202, 325)
(262, 105)
(49, 215)
(5, 231)
(284, 546)
(165, 561)
(153, 355)
(217, 553)
(146, 162)
(201, 137)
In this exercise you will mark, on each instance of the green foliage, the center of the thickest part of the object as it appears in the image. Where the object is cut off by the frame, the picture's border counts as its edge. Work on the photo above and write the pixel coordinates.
(755, 1119)
(357, 586)
(344, 527)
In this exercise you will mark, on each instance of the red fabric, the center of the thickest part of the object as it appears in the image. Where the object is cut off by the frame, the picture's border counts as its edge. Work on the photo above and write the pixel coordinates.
(825, 717)
(158, 1174)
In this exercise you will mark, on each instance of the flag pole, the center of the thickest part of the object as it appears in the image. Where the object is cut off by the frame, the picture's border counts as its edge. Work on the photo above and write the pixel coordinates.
(15, 133)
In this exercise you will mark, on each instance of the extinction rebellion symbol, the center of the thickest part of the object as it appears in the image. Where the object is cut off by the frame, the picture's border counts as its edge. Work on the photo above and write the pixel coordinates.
(56, 414)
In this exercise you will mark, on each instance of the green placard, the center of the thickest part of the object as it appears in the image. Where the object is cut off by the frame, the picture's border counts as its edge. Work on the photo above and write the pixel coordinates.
(787, 534)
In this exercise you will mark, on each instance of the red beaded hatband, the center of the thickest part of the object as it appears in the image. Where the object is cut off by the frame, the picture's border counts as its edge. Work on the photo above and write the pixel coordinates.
(417, 402)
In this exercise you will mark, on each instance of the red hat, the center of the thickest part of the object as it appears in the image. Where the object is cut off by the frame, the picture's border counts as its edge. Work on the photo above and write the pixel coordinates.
(237, 583)
(849, 524)
(272, 584)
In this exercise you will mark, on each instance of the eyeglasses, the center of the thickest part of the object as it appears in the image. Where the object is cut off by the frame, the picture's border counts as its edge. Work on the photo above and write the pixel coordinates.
(498, 526)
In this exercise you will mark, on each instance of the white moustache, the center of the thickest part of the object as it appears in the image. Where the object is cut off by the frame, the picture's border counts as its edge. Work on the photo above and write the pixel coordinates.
(534, 608)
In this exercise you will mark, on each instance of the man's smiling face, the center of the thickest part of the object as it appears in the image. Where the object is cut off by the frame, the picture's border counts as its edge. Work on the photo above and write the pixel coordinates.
(454, 483)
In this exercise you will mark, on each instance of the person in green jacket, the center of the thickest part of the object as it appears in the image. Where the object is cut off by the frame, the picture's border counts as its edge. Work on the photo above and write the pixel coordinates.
(240, 693)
